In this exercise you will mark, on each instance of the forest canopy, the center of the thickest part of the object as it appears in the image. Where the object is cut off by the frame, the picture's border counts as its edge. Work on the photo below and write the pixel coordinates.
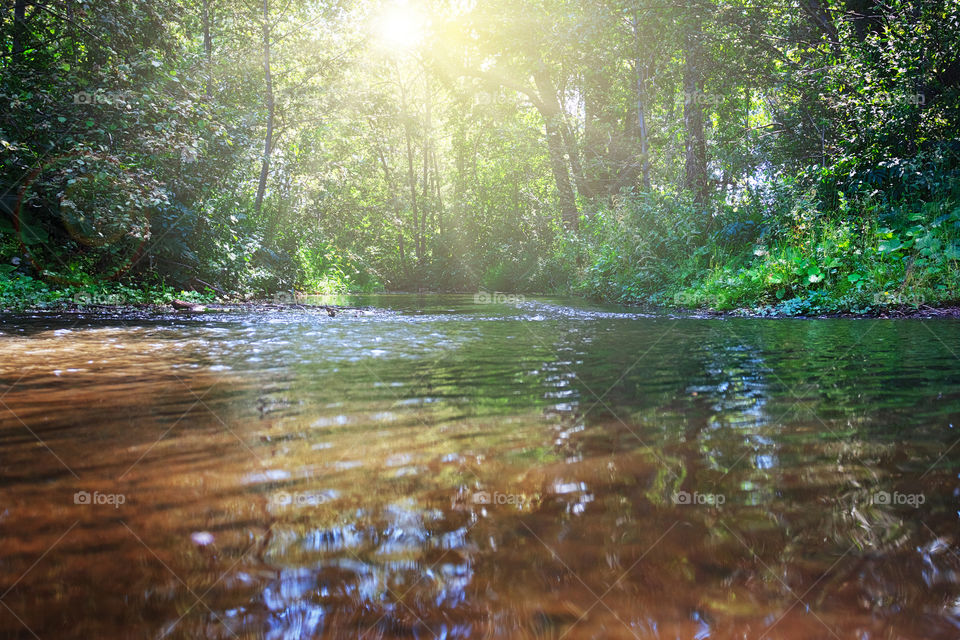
(800, 155)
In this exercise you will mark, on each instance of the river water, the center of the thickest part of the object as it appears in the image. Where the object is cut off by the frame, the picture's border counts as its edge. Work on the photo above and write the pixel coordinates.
(538, 468)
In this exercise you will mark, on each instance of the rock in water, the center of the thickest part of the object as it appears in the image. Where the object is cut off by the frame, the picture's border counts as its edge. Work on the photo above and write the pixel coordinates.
(181, 305)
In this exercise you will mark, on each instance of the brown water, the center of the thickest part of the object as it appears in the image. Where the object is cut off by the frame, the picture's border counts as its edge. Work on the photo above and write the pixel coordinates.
(291, 475)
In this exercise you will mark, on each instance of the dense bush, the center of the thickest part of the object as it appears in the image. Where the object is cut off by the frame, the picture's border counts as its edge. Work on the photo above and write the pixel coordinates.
(871, 250)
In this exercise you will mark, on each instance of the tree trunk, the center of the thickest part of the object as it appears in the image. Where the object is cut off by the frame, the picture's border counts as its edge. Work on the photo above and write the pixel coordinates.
(573, 153)
(568, 200)
(396, 208)
(642, 124)
(641, 70)
(207, 45)
(268, 138)
(439, 196)
(427, 150)
(544, 98)
(411, 174)
(695, 178)
(19, 29)
(555, 146)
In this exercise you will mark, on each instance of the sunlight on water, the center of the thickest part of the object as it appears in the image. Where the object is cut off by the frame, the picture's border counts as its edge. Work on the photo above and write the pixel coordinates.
(534, 468)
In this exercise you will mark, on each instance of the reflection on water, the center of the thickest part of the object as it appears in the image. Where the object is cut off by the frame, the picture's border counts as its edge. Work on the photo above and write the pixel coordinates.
(456, 470)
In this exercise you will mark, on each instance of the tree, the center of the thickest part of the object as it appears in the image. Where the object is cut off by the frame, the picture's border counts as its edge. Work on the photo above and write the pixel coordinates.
(695, 172)
(270, 107)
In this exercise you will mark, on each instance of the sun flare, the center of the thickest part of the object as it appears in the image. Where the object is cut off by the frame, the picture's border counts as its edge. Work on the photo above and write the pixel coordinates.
(401, 27)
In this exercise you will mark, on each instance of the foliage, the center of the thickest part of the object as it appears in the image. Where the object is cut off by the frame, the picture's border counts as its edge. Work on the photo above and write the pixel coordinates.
(18, 291)
(713, 153)
(866, 255)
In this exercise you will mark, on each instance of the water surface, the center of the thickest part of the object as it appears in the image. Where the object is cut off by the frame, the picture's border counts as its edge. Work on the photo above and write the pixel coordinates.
(532, 469)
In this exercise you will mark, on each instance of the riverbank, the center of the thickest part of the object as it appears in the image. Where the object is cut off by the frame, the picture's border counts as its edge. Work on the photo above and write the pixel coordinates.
(168, 301)
(24, 293)
(121, 300)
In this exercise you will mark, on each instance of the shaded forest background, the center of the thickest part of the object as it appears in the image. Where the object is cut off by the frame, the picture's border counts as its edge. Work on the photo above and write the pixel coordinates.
(801, 155)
